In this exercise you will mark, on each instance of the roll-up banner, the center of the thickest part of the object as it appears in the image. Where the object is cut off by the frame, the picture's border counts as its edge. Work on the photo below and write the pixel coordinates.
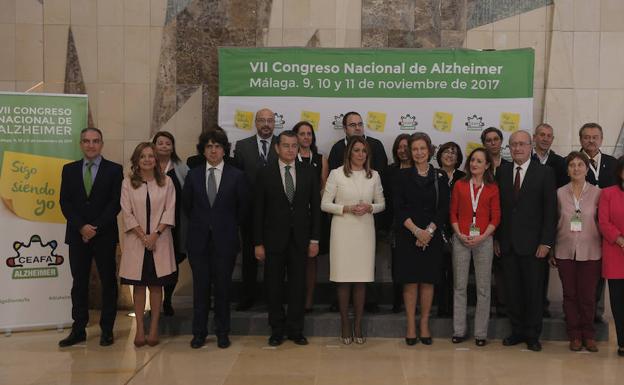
(451, 94)
(39, 133)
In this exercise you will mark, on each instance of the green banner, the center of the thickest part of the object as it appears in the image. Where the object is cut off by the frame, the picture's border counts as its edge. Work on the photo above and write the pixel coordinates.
(365, 73)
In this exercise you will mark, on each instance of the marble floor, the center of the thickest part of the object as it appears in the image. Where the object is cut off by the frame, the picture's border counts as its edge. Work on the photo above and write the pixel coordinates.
(34, 358)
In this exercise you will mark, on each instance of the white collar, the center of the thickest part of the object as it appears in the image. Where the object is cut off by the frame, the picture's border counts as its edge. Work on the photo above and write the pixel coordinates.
(282, 164)
(524, 165)
(218, 167)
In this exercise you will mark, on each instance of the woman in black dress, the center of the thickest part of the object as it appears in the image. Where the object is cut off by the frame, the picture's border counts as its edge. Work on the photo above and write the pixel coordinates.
(308, 153)
(171, 165)
(450, 158)
(421, 207)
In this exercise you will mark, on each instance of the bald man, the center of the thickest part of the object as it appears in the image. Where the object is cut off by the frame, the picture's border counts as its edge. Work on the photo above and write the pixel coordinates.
(524, 237)
(250, 155)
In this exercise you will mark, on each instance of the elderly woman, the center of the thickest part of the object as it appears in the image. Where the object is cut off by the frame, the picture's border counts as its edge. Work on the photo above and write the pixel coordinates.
(148, 259)
(577, 254)
(421, 206)
(353, 193)
(611, 219)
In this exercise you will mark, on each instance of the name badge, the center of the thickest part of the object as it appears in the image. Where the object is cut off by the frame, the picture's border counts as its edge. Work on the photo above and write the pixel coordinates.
(474, 230)
(576, 225)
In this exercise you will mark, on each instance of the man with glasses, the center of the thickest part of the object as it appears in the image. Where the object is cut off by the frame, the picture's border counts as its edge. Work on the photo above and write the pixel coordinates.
(89, 198)
(525, 235)
(250, 155)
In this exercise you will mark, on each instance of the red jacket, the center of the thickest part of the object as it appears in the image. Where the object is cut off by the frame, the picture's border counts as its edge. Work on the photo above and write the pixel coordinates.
(611, 221)
(488, 211)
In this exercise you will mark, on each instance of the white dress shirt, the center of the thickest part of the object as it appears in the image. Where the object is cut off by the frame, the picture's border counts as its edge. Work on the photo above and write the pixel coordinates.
(293, 173)
(268, 145)
(524, 166)
(218, 172)
(596, 159)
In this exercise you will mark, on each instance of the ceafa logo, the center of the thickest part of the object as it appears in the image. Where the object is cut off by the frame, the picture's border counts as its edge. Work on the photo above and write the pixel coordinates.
(408, 122)
(35, 259)
(279, 121)
(337, 122)
(474, 123)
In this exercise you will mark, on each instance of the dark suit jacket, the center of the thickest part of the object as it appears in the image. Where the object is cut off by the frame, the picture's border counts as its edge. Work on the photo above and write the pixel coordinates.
(99, 209)
(247, 157)
(558, 164)
(222, 218)
(606, 177)
(274, 216)
(379, 160)
(529, 221)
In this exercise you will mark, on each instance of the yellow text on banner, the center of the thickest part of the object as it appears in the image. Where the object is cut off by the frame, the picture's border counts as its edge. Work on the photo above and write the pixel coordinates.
(509, 121)
(376, 121)
(30, 186)
(243, 120)
(470, 146)
(311, 117)
(443, 121)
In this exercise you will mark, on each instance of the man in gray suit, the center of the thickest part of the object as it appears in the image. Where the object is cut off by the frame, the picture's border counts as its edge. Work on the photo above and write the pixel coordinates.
(250, 155)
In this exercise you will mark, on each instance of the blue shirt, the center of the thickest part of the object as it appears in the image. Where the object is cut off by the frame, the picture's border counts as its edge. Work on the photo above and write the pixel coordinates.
(94, 168)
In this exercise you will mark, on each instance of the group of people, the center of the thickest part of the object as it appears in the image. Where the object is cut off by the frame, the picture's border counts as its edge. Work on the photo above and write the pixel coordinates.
(289, 202)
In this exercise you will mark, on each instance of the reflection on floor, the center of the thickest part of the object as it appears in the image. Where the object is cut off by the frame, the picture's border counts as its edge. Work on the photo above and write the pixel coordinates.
(34, 358)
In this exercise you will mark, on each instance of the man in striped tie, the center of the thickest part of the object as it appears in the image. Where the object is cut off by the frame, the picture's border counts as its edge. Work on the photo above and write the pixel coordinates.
(286, 232)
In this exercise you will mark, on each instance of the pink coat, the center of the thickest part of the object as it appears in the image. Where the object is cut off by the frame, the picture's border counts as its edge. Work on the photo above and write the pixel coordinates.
(611, 219)
(133, 209)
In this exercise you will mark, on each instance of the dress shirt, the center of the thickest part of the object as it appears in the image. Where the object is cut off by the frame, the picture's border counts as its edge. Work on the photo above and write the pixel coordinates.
(94, 168)
(218, 172)
(268, 145)
(539, 157)
(596, 159)
(524, 167)
(293, 173)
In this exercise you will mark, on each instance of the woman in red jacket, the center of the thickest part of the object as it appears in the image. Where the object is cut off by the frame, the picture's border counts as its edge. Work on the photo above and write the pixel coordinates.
(611, 220)
(474, 215)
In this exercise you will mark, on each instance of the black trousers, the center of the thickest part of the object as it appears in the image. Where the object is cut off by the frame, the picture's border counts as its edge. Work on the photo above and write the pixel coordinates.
(288, 263)
(80, 258)
(524, 293)
(215, 270)
(616, 296)
(249, 268)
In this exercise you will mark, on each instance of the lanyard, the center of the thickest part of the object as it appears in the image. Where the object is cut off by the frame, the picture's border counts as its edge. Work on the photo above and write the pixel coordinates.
(475, 200)
(596, 171)
(577, 202)
(301, 159)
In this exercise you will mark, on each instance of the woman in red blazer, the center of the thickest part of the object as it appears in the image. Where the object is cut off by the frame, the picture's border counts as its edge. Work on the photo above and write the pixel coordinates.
(611, 220)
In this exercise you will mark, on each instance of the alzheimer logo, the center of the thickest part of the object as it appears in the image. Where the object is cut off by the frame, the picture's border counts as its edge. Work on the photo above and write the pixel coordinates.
(35, 259)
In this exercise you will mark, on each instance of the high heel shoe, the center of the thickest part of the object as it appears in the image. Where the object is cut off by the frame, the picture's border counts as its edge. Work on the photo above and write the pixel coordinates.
(426, 340)
(411, 341)
(458, 339)
(358, 340)
(480, 342)
(347, 340)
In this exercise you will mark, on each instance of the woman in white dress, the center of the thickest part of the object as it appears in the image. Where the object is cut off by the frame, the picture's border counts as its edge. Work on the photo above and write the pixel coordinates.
(353, 193)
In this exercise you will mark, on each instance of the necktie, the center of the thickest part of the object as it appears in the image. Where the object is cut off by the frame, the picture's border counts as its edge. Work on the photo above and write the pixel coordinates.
(517, 182)
(88, 178)
(289, 184)
(593, 163)
(211, 186)
(264, 150)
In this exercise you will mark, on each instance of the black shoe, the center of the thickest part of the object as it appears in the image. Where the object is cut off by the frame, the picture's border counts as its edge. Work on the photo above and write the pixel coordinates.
(245, 305)
(458, 339)
(106, 339)
(223, 341)
(298, 339)
(479, 342)
(333, 308)
(276, 340)
(197, 342)
(75, 337)
(168, 309)
(371, 307)
(512, 340)
(534, 345)
(411, 341)
(426, 340)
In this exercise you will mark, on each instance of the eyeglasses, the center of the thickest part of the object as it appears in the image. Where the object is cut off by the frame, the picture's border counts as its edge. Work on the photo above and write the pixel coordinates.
(265, 121)
(354, 125)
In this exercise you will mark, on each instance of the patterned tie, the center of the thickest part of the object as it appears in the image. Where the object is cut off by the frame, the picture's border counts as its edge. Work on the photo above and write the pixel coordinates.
(517, 182)
(88, 178)
(264, 150)
(211, 186)
(290, 185)
(593, 163)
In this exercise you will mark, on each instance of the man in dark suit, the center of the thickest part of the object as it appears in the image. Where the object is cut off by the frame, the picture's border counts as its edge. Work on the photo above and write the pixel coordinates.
(250, 155)
(286, 230)
(525, 236)
(354, 126)
(543, 138)
(601, 173)
(215, 198)
(89, 198)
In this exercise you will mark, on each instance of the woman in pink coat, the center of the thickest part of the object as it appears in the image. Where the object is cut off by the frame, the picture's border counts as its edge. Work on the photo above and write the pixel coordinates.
(611, 219)
(148, 258)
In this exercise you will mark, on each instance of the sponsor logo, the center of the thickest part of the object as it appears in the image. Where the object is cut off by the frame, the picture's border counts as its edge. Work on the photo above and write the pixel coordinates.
(474, 123)
(408, 122)
(35, 259)
(279, 121)
(337, 122)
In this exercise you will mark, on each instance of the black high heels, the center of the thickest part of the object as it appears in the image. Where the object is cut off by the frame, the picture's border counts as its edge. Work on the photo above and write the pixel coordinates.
(411, 341)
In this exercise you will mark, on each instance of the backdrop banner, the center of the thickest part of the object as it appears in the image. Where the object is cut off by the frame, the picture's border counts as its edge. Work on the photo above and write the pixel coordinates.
(39, 133)
(452, 94)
